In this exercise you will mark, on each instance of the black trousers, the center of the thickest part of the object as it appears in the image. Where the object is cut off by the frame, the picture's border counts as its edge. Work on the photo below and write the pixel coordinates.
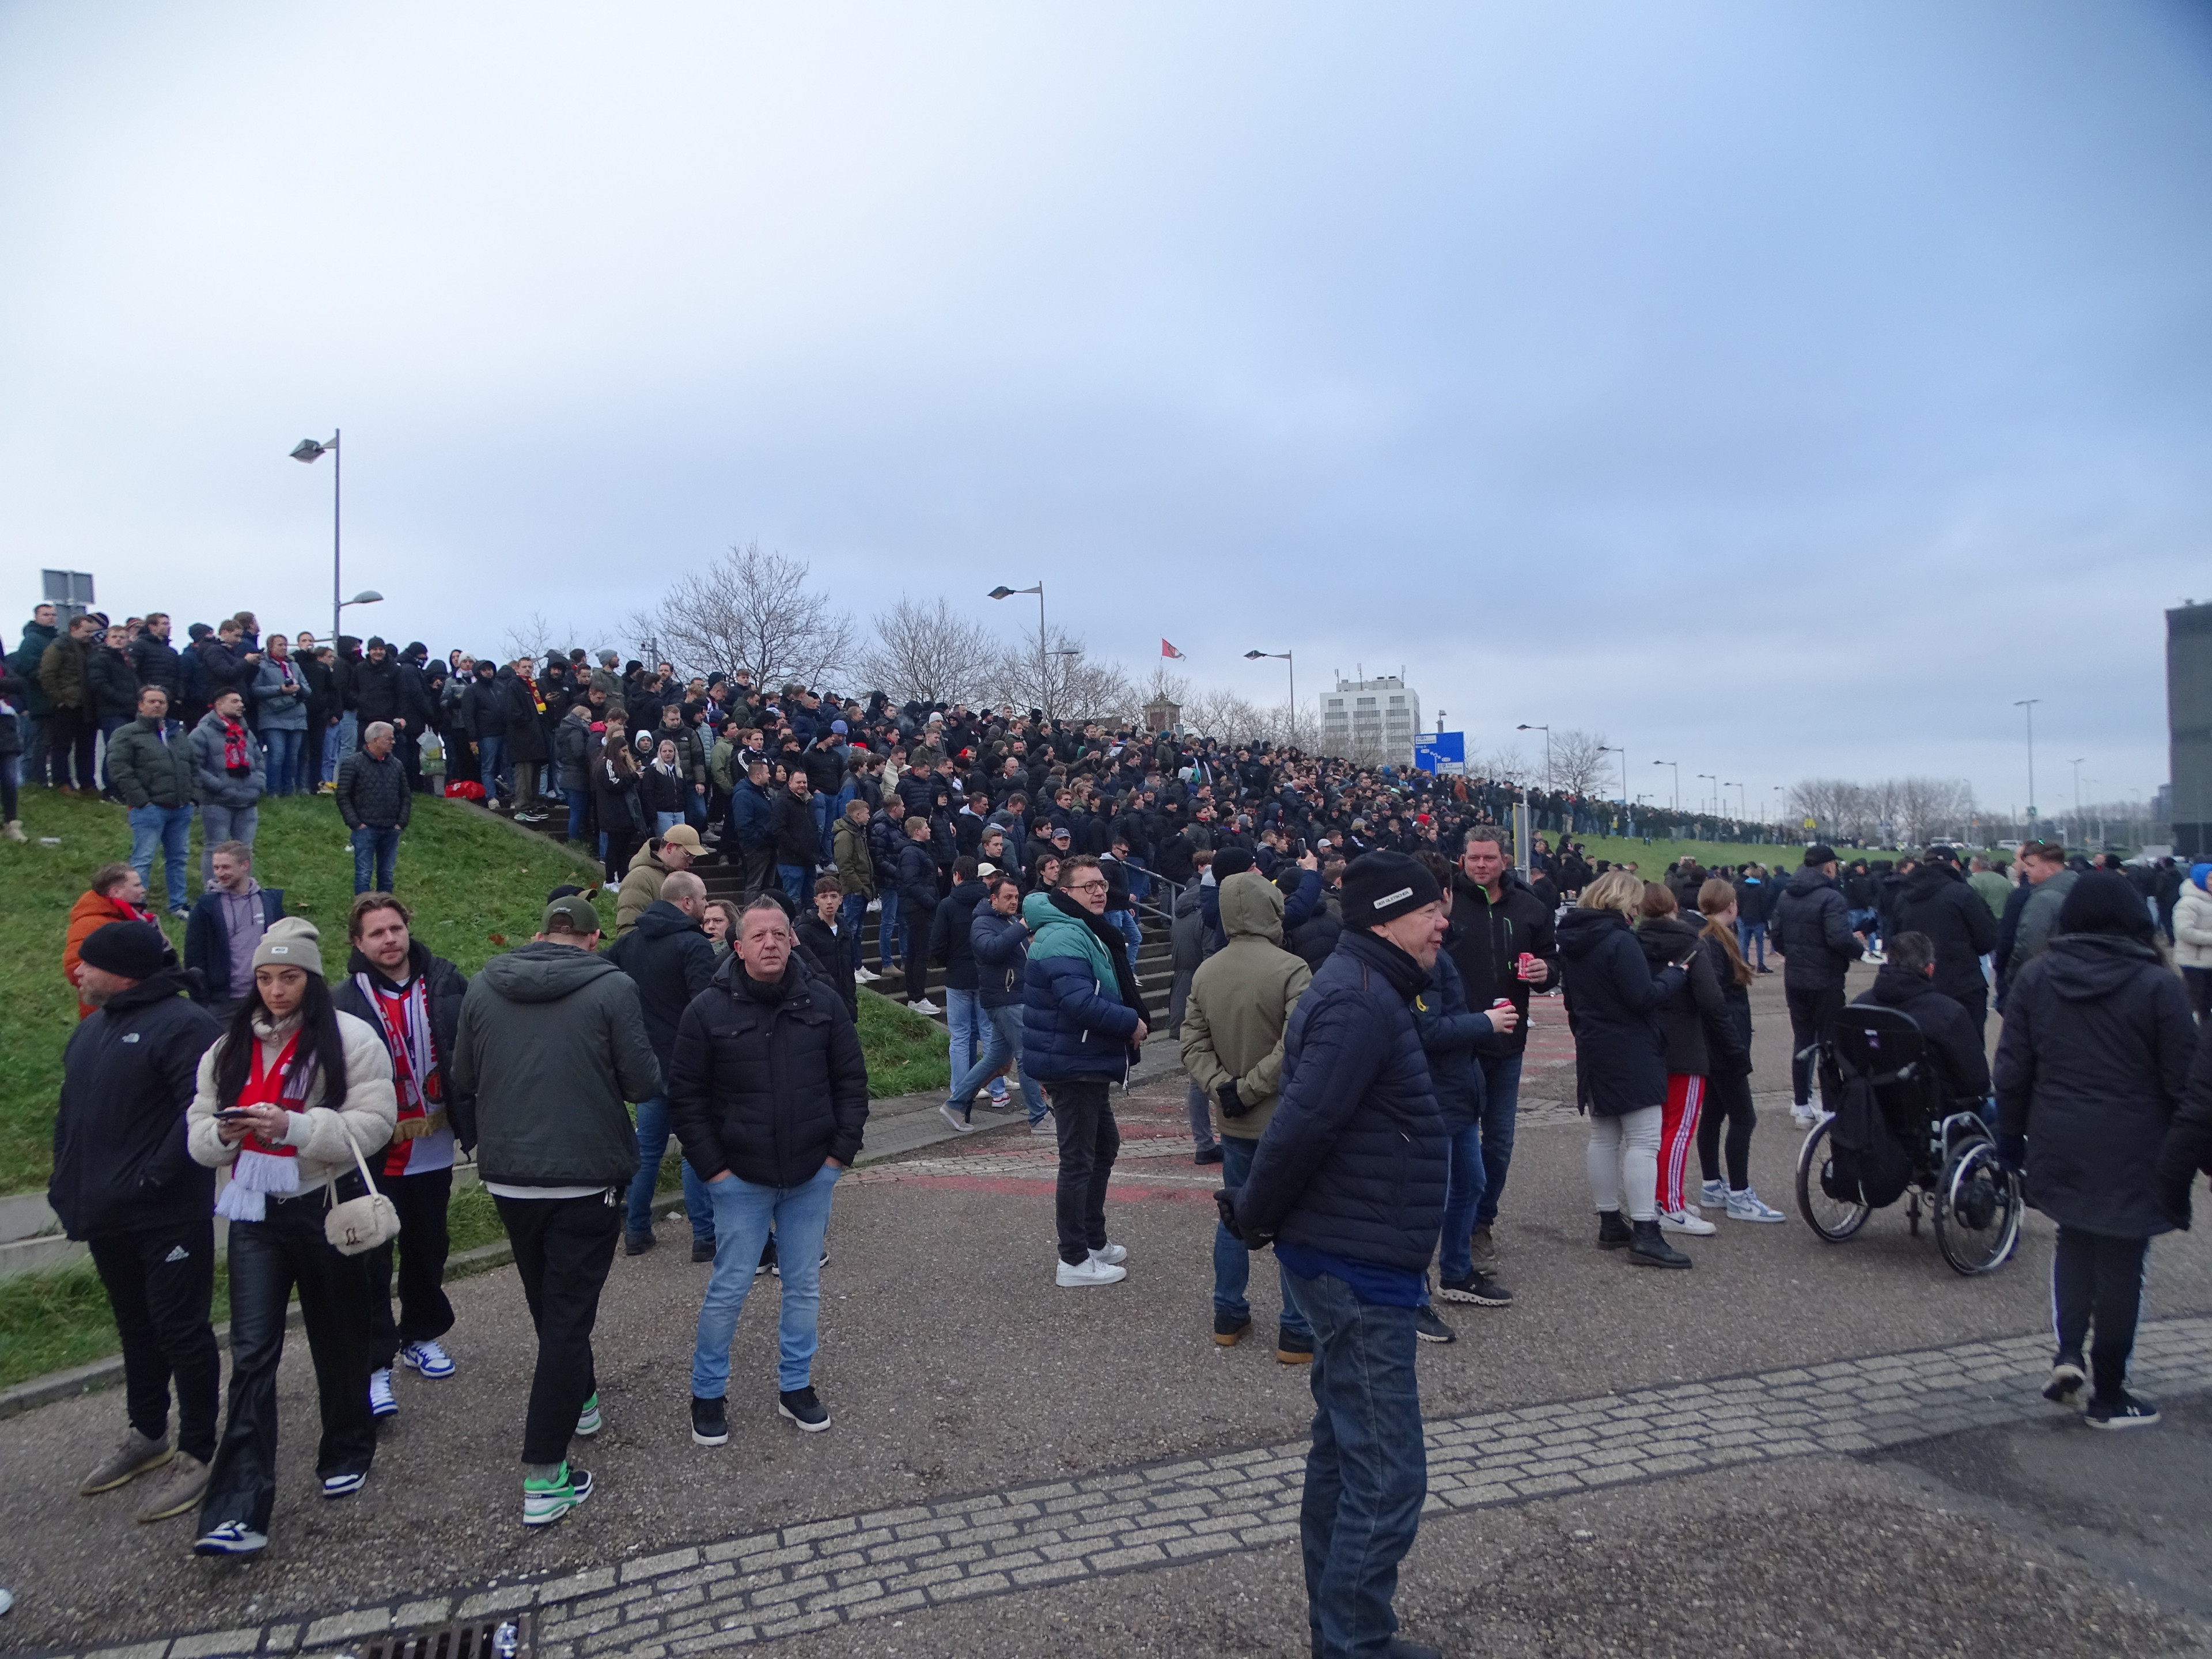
(76, 735)
(759, 865)
(161, 1283)
(2096, 1280)
(563, 1248)
(1811, 1013)
(1977, 1009)
(423, 1245)
(268, 1258)
(1083, 1118)
(1728, 1104)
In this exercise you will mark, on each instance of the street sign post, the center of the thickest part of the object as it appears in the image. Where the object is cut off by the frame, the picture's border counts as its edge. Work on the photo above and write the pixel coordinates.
(1442, 753)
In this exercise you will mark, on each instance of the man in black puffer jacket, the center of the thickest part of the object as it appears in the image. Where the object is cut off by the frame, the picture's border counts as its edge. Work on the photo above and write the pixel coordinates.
(769, 1093)
(1935, 900)
(1906, 982)
(1811, 930)
(1348, 1184)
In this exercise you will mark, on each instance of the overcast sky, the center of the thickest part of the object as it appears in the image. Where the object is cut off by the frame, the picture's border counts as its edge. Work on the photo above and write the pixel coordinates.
(1778, 389)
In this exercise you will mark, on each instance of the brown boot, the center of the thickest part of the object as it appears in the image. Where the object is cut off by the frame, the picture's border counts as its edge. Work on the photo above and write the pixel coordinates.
(178, 1487)
(133, 1455)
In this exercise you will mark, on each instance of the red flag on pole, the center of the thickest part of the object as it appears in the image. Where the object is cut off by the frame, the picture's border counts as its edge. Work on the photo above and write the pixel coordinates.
(1167, 650)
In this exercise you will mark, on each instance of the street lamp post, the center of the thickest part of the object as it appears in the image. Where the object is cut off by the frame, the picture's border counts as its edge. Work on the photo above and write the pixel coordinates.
(1289, 657)
(2028, 703)
(1608, 749)
(1546, 731)
(1677, 796)
(2077, 764)
(1003, 591)
(1712, 778)
(308, 452)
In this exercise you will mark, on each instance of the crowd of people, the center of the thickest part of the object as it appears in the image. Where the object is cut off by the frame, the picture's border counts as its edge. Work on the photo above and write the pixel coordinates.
(1356, 951)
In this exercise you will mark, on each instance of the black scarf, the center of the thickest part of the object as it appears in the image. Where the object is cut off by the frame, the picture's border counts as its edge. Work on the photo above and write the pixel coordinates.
(1117, 952)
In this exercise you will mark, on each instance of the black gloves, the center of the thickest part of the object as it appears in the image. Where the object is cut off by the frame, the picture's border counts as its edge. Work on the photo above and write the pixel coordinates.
(1230, 1105)
(2012, 1151)
(1224, 1204)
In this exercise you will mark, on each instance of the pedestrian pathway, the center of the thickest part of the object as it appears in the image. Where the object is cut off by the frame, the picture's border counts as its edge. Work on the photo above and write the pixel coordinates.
(848, 1568)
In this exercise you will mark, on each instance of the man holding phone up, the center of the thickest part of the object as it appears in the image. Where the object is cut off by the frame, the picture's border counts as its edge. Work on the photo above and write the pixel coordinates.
(1502, 943)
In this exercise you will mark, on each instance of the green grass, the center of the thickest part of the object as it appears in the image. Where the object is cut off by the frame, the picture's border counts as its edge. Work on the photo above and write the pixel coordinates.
(906, 1052)
(50, 1321)
(1653, 857)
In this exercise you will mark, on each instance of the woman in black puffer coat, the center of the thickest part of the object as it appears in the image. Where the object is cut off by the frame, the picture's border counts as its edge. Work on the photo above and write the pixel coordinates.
(1693, 1032)
(1620, 1070)
(1728, 1104)
(2091, 1068)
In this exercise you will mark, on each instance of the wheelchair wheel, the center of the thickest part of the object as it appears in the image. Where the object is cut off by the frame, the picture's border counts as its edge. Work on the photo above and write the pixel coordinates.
(1834, 1219)
(1978, 1205)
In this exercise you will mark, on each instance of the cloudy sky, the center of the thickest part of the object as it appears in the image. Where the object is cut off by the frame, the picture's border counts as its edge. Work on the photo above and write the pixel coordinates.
(1782, 390)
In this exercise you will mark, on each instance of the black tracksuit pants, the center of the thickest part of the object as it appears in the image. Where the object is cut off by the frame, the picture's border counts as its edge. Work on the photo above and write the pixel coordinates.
(161, 1283)
(1083, 1119)
(423, 1242)
(563, 1248)
(1811, 1014)
(2096, 1280)
(268, 1258)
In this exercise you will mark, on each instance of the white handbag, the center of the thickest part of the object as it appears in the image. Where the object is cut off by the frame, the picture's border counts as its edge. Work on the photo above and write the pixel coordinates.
(360, 1224)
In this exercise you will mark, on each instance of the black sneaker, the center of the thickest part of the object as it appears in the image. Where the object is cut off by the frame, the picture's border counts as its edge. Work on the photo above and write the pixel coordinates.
(2067, 1378)
(1429, 1329)
(1208, 1155)
(1478, 1287)
(767, 1257)
(803, 1408)
(638, 1243)
(702, 1249)
(2122, 1410)
(1230, 1329)
(1291, 1349)
(710, 1422)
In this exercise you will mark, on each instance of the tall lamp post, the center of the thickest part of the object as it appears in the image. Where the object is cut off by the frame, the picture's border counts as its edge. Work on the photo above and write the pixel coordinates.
(1608, 749)
(1711, 778)
(1546, 731)
(308, 451)
(1290, 657)
(2028, 703)
(1677, 767)
(1002, 591)
(2077, 764)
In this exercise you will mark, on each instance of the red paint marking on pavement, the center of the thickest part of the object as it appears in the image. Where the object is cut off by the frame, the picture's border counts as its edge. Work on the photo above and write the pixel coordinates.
(1020, 1187)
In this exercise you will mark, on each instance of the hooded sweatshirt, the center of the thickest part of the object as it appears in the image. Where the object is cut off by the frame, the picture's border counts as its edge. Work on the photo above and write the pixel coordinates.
(1240, 1005)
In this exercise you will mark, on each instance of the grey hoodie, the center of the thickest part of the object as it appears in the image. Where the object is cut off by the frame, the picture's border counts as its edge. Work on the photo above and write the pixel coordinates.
(552, 1042)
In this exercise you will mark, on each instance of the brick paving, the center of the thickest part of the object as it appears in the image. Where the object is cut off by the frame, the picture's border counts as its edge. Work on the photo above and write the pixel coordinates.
(871, 1564)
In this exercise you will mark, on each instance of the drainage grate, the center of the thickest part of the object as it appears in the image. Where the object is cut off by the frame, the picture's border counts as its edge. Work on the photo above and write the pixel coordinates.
(506, 1635)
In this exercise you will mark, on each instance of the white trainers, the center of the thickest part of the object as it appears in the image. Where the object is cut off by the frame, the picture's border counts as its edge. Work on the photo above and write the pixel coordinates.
(426, 1358)
(1113, 1255)
(381, 1401)
(1682, 1221)
(1713, 1192)
(1804, 1116)
(865, 976)
(1071, 1276)
(924, 1007)
(955, 1119)
(1747, 1205)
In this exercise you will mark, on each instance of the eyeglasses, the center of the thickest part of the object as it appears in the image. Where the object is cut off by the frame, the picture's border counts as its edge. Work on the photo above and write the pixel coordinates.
(1088, 887)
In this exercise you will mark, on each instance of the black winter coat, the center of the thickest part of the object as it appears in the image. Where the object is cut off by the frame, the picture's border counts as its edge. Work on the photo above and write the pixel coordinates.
(1612, 1006)
(916, 878)
(1811, 928)
(2189, 1139)
(1696, 1037)
(128, 1074)
(1353, 1162)
(155, 662)
(486, 708)
(948, 935)
(1755, 899)
(448, 985)
(797, 841)
(1935, 900)
(831, 959)
(673, 960)
(525, 726)
(1449, 1031)
(1486, 943)
(376, 689)
(1955, 1041)
(111, 683)
(2092, 1068)
(766, 1082)
(1000, 946)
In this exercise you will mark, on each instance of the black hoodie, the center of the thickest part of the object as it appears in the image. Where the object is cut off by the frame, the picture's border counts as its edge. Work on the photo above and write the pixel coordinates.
(1935, 900)
(1955, 1041)
(1811, 928)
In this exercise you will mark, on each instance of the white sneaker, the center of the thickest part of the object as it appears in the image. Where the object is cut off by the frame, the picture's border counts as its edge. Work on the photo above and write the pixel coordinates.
(1747, 1205)
(1713, 1192)
(1682, 1221)
(1804, 1116)
(428, 1357)
(958, 1122)
(1091, 1271)
(1113, 1255)
(381, 1402)
(924, 1007)
(865, 976)
(998, 1098)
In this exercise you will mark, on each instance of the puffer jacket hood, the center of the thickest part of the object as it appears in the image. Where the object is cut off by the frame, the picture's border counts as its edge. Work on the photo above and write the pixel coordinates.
(660, 920)
(2087, 966)
(543, 972)
(1583, 931)
(1253, 907)
(1810, 878)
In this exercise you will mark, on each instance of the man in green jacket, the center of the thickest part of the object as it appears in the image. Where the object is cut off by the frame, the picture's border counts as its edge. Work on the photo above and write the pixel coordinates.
(65, 680)
(551, 1042)
(1239, 1006)
(149, 761)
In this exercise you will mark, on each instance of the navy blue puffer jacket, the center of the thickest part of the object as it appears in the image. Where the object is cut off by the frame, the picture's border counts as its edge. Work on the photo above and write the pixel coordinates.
(1353, 1162)
(1075, 1022)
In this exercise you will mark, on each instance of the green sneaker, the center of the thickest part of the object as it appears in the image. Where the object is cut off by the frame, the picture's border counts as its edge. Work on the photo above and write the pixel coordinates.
(587, 1423)
(544, 1502)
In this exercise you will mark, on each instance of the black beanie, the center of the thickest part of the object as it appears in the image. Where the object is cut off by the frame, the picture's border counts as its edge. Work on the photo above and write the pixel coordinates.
(134, 950)
(1819, 852)
(1380, 887)
(2102, 902)
(1232, 861)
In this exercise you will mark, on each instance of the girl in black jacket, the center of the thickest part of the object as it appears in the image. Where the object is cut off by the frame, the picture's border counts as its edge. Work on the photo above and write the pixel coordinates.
(621, 811)
(1692, 1029)
(1729, 1089)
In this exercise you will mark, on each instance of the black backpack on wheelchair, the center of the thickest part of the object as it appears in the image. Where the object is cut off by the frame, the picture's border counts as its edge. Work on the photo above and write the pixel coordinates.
(1876, 1065)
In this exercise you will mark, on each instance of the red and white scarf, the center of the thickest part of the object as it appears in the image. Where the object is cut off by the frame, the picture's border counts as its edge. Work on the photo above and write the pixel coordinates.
(403, 1018)
(264, 1167)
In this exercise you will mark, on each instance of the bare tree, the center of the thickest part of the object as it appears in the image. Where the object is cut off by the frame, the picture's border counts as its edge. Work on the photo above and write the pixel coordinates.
(928, 653)
(1505, 764)
(534, 636)
(1579, 762)
(751, 611)
(1065, 681)
(1225, 715)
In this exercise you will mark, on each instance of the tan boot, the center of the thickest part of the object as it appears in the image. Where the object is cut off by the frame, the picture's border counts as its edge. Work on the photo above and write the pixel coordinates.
(133, 1455)
(180, 1487)
(14, 830)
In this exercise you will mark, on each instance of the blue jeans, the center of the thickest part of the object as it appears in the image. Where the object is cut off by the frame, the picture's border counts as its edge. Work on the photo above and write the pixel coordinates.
(374, 852)
(1126, 923)
(1002, 1040)
(891, 938)
(1232, 1262)
(579, 801)
(742, 1213)
(1501, 1082)
(1466, 1180)
(222, 823)
(491, 762)
(170, 827)
(964, 1016)
(283, 761)
(349, 731)
(794, 877)
(852, 922)
(1366, 1471)
(652, 1147)
(1748, 933)
(664, 822)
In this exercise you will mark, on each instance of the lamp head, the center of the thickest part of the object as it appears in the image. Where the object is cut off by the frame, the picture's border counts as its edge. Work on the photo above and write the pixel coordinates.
(367, 596)
(308, 449)
(1000, 592)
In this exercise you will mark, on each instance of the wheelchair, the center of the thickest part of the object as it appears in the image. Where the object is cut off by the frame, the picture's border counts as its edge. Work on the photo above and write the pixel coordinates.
(1876, 1060)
